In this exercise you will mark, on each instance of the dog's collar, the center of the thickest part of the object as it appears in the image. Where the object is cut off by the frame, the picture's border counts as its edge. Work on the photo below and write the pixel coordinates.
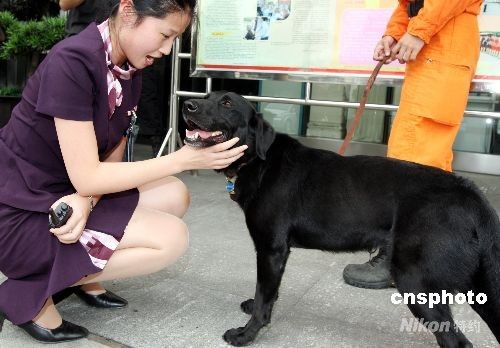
(230, 183)
(231, 180)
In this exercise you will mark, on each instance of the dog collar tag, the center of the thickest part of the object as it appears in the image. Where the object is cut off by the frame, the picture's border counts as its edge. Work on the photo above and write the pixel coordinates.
(230, 186)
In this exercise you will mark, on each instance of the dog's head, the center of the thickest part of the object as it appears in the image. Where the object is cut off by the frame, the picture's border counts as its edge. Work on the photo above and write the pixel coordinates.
(222, 116)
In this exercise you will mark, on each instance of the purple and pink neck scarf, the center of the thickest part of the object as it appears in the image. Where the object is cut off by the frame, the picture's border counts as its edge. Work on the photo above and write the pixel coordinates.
(114, 72)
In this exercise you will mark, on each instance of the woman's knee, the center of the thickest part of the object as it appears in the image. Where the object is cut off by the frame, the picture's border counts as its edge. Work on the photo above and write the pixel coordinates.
(181, 197)
(169, 195)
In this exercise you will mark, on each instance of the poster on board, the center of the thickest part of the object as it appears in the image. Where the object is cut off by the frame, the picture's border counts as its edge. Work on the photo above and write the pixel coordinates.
(489, 26)
(323, 37)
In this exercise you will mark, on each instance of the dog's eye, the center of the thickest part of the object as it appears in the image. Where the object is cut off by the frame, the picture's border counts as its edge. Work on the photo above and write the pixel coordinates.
(226, 103)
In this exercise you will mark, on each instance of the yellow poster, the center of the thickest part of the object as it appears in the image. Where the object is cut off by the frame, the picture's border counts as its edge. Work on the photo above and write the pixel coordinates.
(322, 37)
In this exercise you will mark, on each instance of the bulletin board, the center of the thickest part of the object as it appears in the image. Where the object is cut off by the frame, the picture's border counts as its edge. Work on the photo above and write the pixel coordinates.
(311, 40)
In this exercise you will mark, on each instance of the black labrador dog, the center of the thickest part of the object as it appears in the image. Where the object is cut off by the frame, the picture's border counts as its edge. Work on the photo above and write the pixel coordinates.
(442, 233)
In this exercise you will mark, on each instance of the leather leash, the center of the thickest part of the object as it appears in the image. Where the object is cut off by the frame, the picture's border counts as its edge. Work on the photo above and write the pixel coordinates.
(361, 107)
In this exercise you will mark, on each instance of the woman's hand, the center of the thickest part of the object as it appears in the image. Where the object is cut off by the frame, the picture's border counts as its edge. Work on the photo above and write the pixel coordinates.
(73, 229)
(383, 49)
(407, 48)
(213, 157)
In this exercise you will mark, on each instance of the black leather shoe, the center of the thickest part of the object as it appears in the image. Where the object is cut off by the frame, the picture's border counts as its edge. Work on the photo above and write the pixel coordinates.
(105, 300)
(65, 332)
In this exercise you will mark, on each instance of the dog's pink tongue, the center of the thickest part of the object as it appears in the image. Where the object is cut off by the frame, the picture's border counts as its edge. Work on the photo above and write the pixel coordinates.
(201, 133)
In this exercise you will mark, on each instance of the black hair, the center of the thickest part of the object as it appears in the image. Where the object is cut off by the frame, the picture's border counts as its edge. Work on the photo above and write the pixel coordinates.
(159, 8)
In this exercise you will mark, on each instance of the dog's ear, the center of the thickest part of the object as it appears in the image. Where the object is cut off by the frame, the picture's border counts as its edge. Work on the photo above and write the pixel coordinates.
(264, 135)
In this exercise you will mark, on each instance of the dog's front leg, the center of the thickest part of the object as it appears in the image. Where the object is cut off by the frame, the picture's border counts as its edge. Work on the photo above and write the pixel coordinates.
(270, 268)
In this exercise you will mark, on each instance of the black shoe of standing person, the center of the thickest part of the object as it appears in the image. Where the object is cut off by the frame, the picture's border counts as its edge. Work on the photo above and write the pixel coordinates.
(63, 333)
(374, 274)
(104, 300)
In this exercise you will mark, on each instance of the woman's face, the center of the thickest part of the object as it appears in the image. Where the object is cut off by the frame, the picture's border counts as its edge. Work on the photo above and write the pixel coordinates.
(150, 39)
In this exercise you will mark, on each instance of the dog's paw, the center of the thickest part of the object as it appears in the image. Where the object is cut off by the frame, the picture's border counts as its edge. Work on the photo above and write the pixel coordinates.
(247, 306)
(237, 337)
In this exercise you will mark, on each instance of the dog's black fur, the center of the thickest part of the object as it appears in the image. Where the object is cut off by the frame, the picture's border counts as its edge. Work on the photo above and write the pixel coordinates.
(442, 232)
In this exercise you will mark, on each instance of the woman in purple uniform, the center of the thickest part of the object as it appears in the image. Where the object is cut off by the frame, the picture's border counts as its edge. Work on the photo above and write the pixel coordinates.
(64, 143)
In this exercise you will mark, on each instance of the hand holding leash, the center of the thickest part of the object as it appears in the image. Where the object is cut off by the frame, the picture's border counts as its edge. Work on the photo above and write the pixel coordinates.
(383, 49)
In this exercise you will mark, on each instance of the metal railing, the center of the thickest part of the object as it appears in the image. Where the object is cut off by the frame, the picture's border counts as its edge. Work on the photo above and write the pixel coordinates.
(176, 93)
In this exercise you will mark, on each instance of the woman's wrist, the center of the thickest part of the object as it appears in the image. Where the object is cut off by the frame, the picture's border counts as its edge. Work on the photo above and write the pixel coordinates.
(174, 163)
(91, 202)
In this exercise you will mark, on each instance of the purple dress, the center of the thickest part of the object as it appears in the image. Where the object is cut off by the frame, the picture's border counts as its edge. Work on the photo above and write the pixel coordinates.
(70, 83)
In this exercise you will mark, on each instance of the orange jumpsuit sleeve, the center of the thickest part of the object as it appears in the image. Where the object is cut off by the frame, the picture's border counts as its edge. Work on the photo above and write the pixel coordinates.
(436, 13)
(398, 22)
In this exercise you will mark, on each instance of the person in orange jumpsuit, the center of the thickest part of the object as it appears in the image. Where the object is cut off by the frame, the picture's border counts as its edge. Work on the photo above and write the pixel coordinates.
(440, 45)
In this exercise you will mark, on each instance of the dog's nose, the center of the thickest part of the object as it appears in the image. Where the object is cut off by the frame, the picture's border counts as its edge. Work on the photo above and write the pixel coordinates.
(191, 106)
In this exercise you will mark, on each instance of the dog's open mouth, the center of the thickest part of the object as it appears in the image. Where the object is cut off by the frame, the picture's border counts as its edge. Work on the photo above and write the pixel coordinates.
(196, 136)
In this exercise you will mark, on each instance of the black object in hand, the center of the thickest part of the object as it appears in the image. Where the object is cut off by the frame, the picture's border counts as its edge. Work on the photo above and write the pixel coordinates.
(59, 215)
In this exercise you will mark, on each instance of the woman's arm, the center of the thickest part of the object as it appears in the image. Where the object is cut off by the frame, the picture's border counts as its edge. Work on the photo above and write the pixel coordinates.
(435, 14)
(90, 176)
(398, 23)
(66, 5)
(82, 205)
(115, 155)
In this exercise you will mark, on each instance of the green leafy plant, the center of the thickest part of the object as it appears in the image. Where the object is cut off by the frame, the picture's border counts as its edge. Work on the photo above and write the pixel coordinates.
(10, 91)
(7, 19)
(31, 37)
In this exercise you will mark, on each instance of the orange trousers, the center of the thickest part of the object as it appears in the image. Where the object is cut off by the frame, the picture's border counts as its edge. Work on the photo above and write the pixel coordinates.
(435, 93)
(433, 101)
(422, 140)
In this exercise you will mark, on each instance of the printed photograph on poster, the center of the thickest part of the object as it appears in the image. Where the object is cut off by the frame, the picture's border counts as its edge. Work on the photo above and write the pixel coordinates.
(274, 10)
(489, 20)
(257, 28)
(490, 44)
